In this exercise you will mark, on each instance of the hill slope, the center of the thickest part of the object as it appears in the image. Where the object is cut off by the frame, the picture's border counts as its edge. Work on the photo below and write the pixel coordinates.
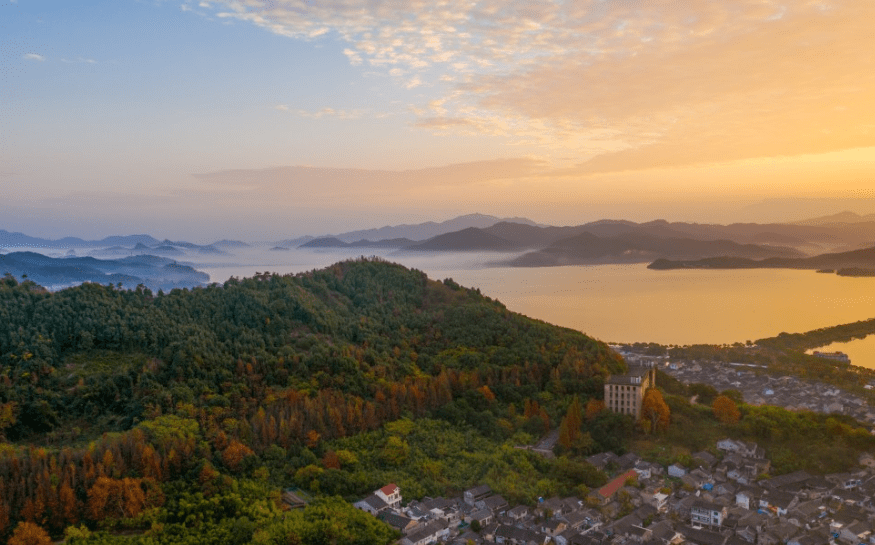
(338, 329)
(855, 259)
(152, 271)
(466, 240)
(632, 247)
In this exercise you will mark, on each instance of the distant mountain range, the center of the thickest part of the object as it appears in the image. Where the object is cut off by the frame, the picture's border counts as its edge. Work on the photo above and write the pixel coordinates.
(152, 271)
(8, 240)
(607, 241)
(12, 240)
(587, 248)
(841, 217)
(471, 239)
(603, 241)
(334, 242)
(419, 231)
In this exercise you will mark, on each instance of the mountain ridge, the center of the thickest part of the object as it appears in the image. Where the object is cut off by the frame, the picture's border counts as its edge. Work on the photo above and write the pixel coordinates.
(150, 270)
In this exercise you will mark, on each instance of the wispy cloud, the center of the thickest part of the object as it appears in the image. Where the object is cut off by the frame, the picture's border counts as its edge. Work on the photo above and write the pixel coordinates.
(619, 85)
(34, 57)
(361, 186)
(324, 112)
(79, 60)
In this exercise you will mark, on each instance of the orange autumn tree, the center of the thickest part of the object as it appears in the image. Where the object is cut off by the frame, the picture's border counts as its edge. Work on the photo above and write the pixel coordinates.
(115, 498)
(487, 393)
(28, 533)
(593, 408)
(569, 429)
(330, 460)
(233, 456)
(725, 410)
(655, 414)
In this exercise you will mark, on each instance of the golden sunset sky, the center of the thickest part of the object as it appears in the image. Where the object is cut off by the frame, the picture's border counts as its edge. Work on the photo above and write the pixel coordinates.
(261, 120)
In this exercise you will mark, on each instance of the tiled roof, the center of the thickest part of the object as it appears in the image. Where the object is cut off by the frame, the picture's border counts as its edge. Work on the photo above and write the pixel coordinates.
(389, 489)
(611, 488)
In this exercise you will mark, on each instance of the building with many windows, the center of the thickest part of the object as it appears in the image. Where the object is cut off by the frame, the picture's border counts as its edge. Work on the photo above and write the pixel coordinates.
(624, 394)
(706, 512)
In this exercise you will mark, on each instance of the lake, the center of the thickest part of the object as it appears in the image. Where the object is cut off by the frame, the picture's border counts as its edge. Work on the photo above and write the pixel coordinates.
(627, 303)
(861, 351)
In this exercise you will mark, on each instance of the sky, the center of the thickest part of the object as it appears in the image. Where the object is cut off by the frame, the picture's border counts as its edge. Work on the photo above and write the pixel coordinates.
(267, 119)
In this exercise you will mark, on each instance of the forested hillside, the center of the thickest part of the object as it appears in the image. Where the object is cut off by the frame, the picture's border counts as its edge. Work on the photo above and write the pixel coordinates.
(114, 404)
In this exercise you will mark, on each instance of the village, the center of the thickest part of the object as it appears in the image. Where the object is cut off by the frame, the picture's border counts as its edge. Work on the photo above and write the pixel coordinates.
(714, 501)
(722, 497)
(758, 388)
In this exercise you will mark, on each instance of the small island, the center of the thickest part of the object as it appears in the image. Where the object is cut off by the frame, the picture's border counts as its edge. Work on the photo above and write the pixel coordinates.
(856, 271)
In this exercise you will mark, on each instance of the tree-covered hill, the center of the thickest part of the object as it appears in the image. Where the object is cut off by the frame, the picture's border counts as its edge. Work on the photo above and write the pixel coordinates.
(357, 328)
(141, 388)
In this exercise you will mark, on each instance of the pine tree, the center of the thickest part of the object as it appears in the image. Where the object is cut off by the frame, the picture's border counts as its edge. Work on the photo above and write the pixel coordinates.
(569, 429)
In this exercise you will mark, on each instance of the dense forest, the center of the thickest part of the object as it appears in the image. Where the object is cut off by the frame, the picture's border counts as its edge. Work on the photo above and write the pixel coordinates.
(128, 416)
(110, 398)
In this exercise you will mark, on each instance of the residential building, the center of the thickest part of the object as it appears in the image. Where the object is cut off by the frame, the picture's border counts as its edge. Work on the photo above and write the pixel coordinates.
(707, 513)
(391, 494)
(478, 493)
(624, 394)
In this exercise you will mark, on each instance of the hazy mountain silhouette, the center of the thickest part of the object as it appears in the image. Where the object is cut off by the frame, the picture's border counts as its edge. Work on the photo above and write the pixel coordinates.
(20, 239)
(153, 271)
(842, 217)
(429, 229)
(324, 242)
(857, 258)
(466, 240)
(588, 248)
(224, 243)
(386, 243)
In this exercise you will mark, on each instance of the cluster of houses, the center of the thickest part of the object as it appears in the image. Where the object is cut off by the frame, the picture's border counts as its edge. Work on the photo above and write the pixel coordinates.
(717, 500)
(760, 389)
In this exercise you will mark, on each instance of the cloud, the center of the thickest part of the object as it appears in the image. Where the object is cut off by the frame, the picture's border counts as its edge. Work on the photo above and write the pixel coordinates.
(354, 57)
(34, 57)
(442, 122)
(79, 60)
(613, 86)
(331, 112)
(361, 187)
(324, 112)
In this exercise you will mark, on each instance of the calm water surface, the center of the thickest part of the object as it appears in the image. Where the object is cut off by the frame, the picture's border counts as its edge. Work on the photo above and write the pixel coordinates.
(861, 351)
(626, 303)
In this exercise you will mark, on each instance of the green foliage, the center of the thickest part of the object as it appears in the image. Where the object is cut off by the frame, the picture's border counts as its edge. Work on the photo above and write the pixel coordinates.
(97, 356)
(327, 521)
(793, 440)
(445, 460)
(336, 381)
(820, 337)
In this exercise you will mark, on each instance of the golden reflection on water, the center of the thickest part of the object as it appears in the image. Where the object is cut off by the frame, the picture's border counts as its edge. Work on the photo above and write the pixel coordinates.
(861, 351)
(627, 303)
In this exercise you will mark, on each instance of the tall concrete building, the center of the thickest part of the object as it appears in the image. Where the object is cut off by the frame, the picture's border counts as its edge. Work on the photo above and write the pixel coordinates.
(624, 394)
